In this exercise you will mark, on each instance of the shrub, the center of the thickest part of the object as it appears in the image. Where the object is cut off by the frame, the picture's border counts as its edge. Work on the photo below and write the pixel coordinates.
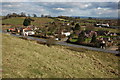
(81, 37)
(94, 38)
(50, 41)
(27, 21)
(39, 42)
(77, 27)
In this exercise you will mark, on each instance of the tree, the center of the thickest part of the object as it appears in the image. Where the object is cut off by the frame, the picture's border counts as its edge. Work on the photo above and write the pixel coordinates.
(70, 37)
(50, 42)
(89, 17)
(34, 15)
(22, 14)
(42, 15)
(77, 27)
(72, 23)
(27, 21)
(81, 37)
(94, 38)
(28, 15)
(14, 15)
(7, 16)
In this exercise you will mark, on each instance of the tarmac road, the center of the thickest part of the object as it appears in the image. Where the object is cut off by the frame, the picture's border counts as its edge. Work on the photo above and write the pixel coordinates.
(68, 44)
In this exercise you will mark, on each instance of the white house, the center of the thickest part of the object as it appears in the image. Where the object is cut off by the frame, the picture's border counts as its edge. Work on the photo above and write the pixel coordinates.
(68, 24)
(66, 33)
(100, 25)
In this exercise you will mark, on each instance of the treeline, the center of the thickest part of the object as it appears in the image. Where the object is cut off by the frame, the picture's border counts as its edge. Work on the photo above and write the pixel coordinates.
(17, 15)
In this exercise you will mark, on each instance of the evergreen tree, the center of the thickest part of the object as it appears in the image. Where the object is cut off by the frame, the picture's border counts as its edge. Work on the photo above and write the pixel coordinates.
(77, 27)
(81, 37)
(72, 23)
(27, 22)
(94, 38)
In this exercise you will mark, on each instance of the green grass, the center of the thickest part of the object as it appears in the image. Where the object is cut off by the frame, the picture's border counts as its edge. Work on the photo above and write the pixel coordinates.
(19, 21)
(91, 20)
(85, 23)
(14, 21)
(73, 40)
(28, 59)
(41, 21)
(107, 29)
(87, 40)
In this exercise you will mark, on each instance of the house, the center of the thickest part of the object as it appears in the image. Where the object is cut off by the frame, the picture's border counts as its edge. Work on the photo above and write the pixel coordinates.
(28, 31)
(66, 33)
(102, 25)
(68, 24)
(11, 29)
(90, 33)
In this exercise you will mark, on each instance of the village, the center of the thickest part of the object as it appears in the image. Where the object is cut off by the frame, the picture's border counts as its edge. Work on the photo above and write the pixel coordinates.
(64, 39)
(70, 31)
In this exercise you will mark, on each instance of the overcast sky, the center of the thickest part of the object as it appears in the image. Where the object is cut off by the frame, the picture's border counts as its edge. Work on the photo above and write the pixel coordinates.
(60, 0)
(91, 9)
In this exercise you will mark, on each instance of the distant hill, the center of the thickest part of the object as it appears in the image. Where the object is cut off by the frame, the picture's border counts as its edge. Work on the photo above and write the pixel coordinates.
(96, 17)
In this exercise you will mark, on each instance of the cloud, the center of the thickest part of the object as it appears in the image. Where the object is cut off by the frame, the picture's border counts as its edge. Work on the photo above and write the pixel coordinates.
(61, 1)
(61, 9)
(99, 9)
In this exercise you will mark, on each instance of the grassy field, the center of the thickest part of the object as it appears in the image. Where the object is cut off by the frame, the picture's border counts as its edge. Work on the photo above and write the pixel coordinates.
(19, 21)
(28, 59)
(14, 21)
(107, 29)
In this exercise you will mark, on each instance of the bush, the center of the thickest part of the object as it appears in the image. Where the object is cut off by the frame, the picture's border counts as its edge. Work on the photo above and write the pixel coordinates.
(27, 21)
(39, 42)
(77, 27)
(50, 41)
(25, 38)
(81, 37)
(94, 38)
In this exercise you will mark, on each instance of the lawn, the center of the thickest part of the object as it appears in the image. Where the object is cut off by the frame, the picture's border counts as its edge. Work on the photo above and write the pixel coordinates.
(28, 59)
(87, 40)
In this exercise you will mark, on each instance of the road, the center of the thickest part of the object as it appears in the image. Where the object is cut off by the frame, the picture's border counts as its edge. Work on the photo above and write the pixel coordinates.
(68, 44)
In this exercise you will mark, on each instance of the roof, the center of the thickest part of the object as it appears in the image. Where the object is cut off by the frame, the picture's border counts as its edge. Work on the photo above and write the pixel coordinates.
(28, 28)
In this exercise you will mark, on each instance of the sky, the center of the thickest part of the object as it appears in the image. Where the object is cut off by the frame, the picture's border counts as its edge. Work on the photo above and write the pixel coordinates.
(59, 0)
(88, 9)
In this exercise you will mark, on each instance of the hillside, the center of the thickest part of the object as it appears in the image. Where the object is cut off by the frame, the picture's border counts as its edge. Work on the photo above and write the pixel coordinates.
(28, 59)
(19, 21)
